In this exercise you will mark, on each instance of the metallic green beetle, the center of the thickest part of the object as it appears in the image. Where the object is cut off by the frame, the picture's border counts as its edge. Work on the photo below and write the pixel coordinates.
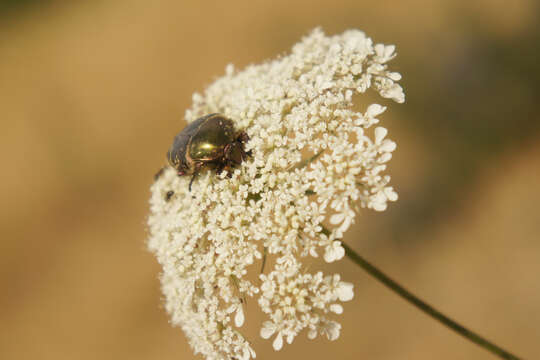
(210, 140)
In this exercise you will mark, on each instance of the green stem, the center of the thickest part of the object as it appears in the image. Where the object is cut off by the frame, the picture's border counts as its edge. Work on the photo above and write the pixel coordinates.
(309, 160)
(429, 310)
(265, 253)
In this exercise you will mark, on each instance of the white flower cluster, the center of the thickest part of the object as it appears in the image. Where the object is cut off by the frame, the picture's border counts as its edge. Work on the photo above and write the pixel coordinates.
(313, 164)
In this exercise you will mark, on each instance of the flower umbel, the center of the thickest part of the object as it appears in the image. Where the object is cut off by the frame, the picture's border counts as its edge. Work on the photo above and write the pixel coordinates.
(315, 163)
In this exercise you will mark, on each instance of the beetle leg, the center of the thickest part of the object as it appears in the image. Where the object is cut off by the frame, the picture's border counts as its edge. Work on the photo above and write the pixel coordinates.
(227, 151)
(196, 169)
(224, 165)
(159, 173)
(219, 168)
(191, 181)
(229, 154)
(241, 140)
(242, 137)
(245, 154)
(229, 172)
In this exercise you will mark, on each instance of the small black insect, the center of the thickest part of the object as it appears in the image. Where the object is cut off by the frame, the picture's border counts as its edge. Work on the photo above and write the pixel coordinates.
(169, 195)
(211, 141)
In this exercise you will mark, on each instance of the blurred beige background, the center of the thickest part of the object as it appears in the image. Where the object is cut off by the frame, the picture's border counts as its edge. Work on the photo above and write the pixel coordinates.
(91, 94)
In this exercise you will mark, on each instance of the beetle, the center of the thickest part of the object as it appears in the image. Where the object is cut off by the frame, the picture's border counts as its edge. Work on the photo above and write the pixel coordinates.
(210, 141)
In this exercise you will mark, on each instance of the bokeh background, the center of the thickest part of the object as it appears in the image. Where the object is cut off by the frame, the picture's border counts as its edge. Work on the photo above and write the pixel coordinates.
(92, 92)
